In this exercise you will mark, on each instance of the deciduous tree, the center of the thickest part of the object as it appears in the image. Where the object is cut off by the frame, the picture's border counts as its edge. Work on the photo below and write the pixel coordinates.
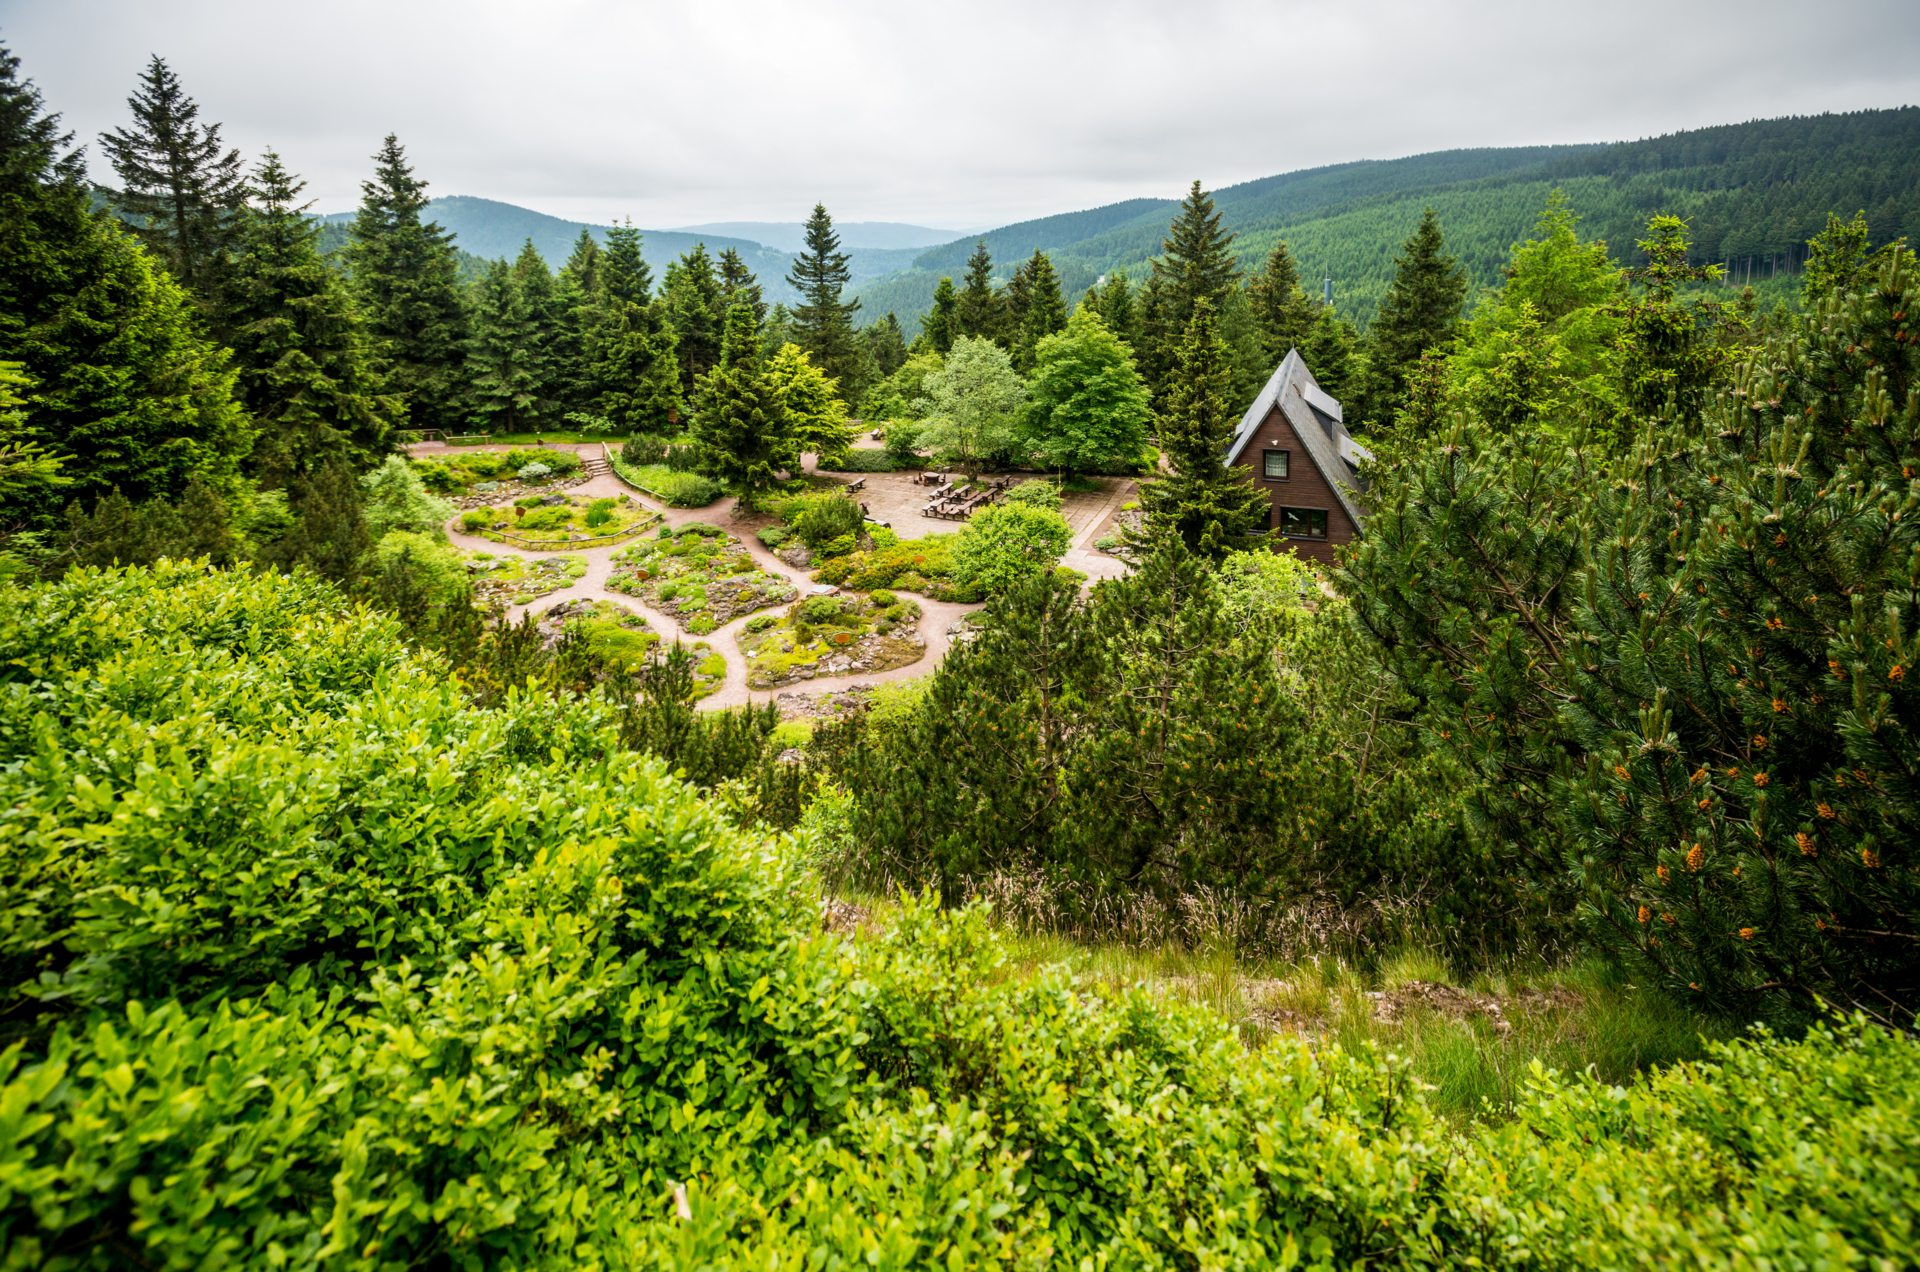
(1089, 408)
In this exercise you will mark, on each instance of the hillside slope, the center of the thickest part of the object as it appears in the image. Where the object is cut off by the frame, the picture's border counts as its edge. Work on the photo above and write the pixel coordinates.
(1755, 192)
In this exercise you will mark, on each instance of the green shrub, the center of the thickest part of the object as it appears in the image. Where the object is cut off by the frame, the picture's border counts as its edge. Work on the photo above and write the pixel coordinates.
(643, 449)
(789, 733)
(668, 591)
(321, 963)
(818, 519)
(881, 597)
(838, 546)
(760, 622)
(882, 536)
(819, 609)
(599, 512)
(703, 625)
(477, 519)
(1007, 543)
(859, 461)
(437, 477)
(1036, 494)
(534, 472)
(1107, 542)
(771, 537)
(700, 529)
(802, 635)
(553, 518)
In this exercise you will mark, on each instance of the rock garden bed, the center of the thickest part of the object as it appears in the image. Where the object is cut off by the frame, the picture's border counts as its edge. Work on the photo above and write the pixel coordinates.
(840, 635)
(558, 518)
(700, 575)
(622, 636)
(494, 476)
(500, 581)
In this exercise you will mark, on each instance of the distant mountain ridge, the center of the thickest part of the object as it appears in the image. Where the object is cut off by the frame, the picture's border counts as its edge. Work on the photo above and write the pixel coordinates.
(790, 236)
(1753, 194)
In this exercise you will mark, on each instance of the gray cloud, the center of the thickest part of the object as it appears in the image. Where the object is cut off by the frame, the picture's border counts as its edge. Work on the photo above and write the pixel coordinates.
(969, 113)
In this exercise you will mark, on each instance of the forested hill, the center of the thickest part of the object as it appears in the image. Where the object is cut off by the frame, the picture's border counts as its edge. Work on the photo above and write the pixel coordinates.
(1755, 192)
(491, 230)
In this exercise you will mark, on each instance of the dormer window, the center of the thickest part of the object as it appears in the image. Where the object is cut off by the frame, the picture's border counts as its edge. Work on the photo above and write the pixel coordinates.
(1274, 464)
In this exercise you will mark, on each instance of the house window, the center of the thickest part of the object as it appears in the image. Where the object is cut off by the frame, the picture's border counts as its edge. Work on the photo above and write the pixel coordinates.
(1303, 523)
(1275, 465)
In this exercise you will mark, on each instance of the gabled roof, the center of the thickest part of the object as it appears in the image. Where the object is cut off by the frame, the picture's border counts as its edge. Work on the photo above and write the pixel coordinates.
(1316, 417)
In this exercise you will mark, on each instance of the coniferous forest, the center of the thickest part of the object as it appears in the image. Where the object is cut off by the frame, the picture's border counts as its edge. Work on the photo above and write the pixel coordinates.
(1534, 886)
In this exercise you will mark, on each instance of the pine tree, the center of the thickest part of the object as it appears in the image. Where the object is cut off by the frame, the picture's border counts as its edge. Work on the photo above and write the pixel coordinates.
(979, 310)
(1045, 308)
(1203, 503)
(406, 276)
(180, 191)
(329, 536)
(1015, 299)
(737, 282)
(888, 345)
(539, 297)
(504, 355)
(692, 297)
(1112, 299)
(1421, 310)
(1281, 308)
(940, 326)
(633, 376)
(307, 369)
(583, 264)
(1329, 353)
(822, 322)
(125, 386)
(1195, 263)
(739, 423)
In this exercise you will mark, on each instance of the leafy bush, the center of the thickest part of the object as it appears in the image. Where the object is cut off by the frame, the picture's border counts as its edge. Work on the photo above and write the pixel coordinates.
(437, 477)
(599, 512)
(700, 530)
(395, 499)
(1006, 543)
(681, 489)
(882, 536)
(1036, 494)
(535, 472)
(881, 597)
(859, 461)
(477, 519)
(771, 537)
(839, 545)
(760, 622)
(361, 968)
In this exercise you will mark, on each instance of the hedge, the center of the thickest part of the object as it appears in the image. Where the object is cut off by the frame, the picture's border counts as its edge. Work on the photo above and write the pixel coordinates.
(312, 962)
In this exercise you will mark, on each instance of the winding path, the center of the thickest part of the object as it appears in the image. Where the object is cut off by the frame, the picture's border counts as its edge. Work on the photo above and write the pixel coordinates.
(936, 616)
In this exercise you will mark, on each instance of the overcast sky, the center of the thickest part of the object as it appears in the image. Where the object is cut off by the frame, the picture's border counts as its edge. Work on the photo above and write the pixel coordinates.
(954, 115)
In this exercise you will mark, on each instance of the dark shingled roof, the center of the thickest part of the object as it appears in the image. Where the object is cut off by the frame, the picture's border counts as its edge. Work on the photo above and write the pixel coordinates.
(1316, 417)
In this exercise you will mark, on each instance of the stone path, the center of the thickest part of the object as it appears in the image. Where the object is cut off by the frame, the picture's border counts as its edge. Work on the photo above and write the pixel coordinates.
(936, 616)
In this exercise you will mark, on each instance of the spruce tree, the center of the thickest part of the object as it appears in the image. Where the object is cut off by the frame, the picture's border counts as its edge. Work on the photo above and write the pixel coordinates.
(632, 376)
(1280, 307)
(329, 535)
(692, 297)
(1421, 310)
(539, 297)
(1329, 351)
(504, 355)
(1046, 309)
(1015, 299)
(979, 311)
(308, 375)
(125, 386)
(406, 276)
(583, 264)
(1195, 264)
(739, 423)
(887, 344)
(181, 191)
(1112, 299)
(940, 326)
(1205, 504)
(737, 282)
(823, 322)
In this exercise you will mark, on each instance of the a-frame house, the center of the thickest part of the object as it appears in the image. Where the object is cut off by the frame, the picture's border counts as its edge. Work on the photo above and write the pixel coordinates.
(1294, 446)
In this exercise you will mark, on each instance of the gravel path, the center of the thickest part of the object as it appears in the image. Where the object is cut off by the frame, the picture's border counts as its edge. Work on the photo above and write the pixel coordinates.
(936, 616)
